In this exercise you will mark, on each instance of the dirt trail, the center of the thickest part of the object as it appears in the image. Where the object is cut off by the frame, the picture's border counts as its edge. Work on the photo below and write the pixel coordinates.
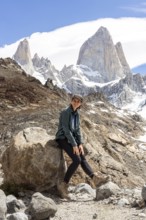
(88, 210)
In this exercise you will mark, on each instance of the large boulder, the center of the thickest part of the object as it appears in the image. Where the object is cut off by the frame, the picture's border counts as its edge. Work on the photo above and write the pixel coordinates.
(32, 160)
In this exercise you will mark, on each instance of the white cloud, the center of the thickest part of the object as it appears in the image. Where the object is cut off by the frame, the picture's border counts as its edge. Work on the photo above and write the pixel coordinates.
(141, 7)
(62, 45)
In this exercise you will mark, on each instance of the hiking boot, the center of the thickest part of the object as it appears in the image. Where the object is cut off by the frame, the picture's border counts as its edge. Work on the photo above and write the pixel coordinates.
(63, 190)
(141, 203)
(100, 179)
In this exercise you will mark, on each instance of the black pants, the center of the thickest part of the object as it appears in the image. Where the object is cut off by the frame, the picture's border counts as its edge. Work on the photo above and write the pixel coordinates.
(76, 161)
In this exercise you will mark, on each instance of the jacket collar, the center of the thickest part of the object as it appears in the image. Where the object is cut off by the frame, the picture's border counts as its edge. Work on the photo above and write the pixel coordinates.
(71, 109)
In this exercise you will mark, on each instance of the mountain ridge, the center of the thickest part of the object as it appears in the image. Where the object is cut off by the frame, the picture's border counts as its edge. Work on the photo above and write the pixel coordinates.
(54, 45)
(97, 71)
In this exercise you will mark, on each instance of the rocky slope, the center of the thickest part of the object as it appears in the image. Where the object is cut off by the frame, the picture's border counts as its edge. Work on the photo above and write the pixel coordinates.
(110, 135)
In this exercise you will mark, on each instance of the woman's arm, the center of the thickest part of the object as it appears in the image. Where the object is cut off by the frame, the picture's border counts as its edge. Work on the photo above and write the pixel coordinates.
(65, 120)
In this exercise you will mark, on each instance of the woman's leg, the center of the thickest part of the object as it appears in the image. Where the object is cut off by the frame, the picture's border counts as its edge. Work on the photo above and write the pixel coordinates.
(76, 160)
(86, 167)
(98, 178)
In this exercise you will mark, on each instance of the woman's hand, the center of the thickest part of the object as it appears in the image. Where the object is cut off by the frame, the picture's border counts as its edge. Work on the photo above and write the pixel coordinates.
(76, 150)
(81, 150)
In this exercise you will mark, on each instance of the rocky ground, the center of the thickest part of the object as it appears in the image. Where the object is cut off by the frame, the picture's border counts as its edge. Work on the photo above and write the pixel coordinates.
(96, 210)
(84, 205)
(122, 206)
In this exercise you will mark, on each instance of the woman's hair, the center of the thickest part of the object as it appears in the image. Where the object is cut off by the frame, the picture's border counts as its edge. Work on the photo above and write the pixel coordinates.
(77, 97)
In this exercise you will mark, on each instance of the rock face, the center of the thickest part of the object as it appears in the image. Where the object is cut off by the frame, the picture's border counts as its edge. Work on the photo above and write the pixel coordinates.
(41, 68)
(44, 67)
(23, 57)
(77, 78)
(32, 160)
(122, 58)
(100, 54)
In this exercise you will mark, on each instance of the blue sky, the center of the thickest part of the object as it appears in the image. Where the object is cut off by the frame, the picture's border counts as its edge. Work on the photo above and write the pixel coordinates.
(21, 18)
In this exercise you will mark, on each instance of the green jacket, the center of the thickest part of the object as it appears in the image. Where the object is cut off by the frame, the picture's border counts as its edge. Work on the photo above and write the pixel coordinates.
(69, 127)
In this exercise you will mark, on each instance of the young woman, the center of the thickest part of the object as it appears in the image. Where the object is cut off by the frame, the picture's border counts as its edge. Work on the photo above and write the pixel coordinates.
(69, 139)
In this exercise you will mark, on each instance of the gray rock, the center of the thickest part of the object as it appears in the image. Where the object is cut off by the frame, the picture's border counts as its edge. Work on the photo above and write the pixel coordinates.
(123, 202)
(17, 216)
(42, 207)
(106, 190)
(14, 205)
(84, 188)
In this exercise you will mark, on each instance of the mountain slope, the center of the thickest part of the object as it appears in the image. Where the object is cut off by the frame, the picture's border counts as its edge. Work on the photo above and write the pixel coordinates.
(111, 136)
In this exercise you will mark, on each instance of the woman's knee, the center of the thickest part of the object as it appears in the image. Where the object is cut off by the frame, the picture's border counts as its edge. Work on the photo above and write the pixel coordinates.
(77, 160)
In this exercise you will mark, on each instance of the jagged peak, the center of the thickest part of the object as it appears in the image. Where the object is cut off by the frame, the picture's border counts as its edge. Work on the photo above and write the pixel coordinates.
(102, 31)
(122, 58)
(24, 42)
(41, 59)
(45, 59)
(118, 44)
(36, 56)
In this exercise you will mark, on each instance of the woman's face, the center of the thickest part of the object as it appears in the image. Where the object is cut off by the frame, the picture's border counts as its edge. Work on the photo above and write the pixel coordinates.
(76, 103)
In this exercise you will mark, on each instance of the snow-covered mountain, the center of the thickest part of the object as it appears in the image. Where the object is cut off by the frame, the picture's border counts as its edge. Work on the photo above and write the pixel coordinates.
(40, 68)
(101, 67)
(100, 54)
(62, 45)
